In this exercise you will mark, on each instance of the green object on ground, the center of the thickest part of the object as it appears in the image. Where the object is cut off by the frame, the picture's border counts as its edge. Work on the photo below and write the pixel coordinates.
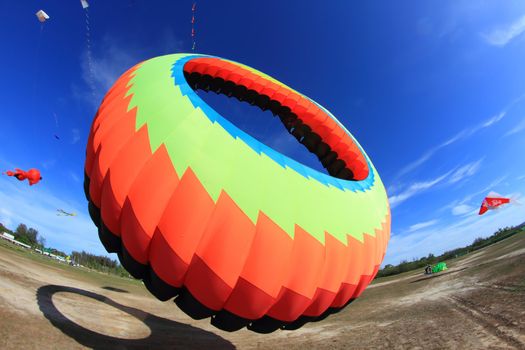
(439, 267)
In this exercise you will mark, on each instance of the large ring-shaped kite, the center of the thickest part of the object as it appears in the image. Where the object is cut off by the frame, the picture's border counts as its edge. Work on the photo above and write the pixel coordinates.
(205, 213)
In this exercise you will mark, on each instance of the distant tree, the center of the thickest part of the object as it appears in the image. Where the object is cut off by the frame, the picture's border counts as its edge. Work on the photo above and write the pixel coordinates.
(56, 252)
(3, 228)
(98, 262)
(41, 242)
(32, 235)
(478, 241)
(21, 230)
(26, 235)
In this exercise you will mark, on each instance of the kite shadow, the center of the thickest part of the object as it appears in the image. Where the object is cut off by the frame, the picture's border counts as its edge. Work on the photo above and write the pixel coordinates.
(164, 333)
(114, 289)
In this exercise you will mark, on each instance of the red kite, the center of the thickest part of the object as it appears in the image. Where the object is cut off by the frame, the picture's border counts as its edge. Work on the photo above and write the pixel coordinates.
(32, 175)
(492, 201)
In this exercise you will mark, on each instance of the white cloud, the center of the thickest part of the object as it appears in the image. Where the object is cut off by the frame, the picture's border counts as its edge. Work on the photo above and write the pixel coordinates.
(422, 225)
(75, 135)
(476, 195)
(451, 177)
(48, 163)
(101, 70)
(415, 164)
(516, 129)
(415, 189)
(5, 217)
(459, 136)
(462, 209)
(457, 234)
(35, 207)
(102, 67)
(74, 176)
(465, 171)
(492, 120)
(502, 36)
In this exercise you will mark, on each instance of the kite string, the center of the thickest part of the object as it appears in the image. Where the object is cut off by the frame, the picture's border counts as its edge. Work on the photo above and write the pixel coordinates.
(91, 77)
(36, 60)
(193, 36)
(36, 67)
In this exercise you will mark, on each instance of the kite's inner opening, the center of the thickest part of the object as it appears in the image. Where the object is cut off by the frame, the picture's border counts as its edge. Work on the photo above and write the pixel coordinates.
(334, 165)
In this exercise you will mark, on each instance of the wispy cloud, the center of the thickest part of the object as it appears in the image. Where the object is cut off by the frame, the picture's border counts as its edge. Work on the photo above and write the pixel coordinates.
(516, 129)
(462, 209)
(75, 135)
(415, 189)
(48, 163)
(490, 121)
(467, 200)
(415, 164)
(36, 207)
(503, 35)
(74, 176)
(465, 171)
(101, 69)
(422, 225)
(5, 217)
(451, 177)
(459, 136)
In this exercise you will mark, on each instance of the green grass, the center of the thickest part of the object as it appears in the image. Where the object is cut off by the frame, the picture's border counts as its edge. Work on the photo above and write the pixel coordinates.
(81, 273)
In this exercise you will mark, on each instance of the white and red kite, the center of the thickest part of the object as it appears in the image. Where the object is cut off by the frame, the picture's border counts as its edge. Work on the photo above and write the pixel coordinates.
(42, 16)
(492, 201)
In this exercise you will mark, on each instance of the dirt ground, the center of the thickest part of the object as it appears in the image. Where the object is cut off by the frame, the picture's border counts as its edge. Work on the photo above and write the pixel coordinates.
(478, 303)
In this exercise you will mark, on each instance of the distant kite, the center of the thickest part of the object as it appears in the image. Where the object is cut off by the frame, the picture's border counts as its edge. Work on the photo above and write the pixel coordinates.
(61, 212)
(84, 3)
(492, 201)
(42, 16)
(32, 175)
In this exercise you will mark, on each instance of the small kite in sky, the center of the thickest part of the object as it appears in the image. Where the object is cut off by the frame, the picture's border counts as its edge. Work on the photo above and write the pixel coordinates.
(84, 3)
(32, 175)
(492, 201)
(61, 212)
(42, 16)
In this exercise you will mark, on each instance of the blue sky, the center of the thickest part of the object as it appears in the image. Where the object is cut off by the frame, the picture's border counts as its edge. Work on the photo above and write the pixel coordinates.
(434, 94)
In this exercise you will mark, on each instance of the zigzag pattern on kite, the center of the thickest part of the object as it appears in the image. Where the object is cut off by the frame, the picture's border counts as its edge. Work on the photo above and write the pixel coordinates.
(171, 230)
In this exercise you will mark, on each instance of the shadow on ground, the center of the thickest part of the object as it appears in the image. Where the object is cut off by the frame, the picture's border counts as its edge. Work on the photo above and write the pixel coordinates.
(114, 289)
(165, 334)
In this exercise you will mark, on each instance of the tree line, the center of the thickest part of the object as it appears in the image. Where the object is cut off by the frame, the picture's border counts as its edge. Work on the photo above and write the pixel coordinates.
(478, 243)
(105, 264)
(99, 263)
(31, 237)
(26, 235)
